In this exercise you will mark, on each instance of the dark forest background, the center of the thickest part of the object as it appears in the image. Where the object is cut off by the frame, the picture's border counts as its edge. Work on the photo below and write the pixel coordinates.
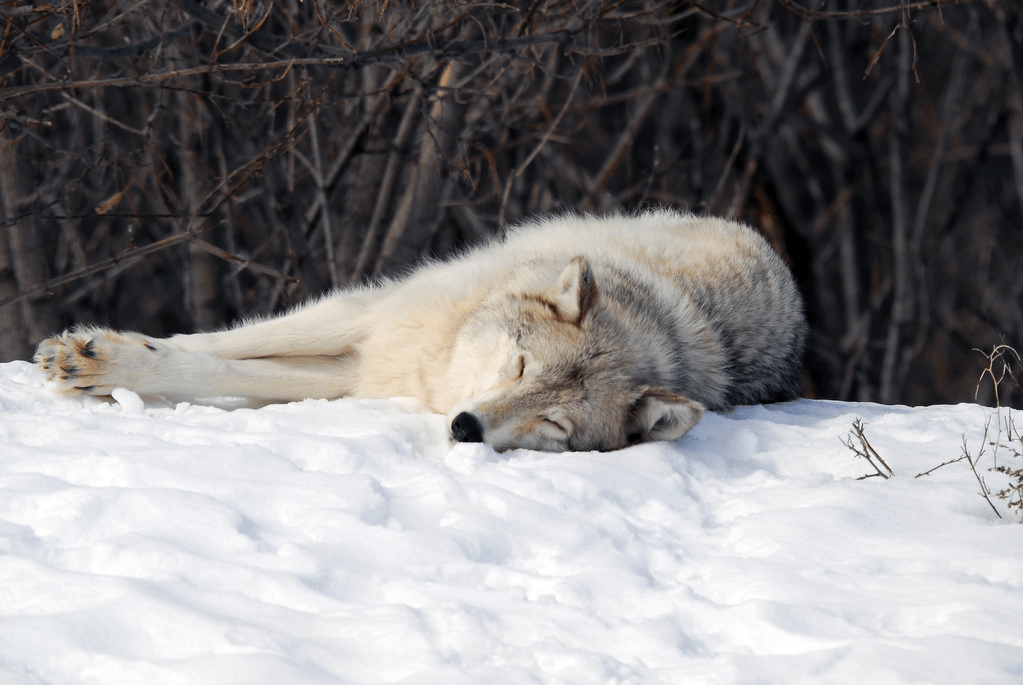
(169, 165)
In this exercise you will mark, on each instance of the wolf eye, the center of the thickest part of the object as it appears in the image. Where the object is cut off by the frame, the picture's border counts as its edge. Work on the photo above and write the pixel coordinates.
(522, 365)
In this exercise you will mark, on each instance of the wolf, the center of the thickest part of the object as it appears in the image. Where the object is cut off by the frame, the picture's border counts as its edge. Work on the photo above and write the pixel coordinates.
(573, 332)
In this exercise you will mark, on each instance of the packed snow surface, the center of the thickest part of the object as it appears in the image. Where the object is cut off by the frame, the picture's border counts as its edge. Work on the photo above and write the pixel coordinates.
(350, 542)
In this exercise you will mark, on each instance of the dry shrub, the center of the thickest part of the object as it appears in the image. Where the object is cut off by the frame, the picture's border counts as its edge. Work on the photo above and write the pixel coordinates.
(169, 165)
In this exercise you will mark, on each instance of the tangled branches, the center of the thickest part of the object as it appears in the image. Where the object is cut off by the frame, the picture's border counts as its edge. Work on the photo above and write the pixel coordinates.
(229, 158)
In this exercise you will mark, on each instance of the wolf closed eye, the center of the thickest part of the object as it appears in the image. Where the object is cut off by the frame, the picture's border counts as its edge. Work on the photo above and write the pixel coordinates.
(574, 332)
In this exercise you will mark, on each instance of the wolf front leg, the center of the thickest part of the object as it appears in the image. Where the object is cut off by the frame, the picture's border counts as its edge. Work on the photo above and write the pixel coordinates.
(331, 325)
(95, 361)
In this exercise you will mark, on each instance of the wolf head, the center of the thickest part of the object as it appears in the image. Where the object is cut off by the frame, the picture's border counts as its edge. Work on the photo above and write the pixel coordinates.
(552, 369)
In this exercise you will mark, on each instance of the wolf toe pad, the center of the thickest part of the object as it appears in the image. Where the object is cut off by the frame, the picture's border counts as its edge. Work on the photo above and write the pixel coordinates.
(88, 360)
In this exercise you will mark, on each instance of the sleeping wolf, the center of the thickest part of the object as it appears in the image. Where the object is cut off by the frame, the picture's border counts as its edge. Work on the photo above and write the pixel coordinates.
(572, 333)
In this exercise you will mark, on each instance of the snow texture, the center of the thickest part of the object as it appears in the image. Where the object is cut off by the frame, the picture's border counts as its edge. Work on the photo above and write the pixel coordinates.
(349, 542)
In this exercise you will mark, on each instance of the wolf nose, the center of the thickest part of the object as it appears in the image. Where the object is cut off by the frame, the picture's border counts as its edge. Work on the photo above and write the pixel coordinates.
(466, 428)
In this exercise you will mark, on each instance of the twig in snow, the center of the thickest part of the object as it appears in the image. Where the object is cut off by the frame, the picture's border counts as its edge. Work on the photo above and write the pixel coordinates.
(866, 451)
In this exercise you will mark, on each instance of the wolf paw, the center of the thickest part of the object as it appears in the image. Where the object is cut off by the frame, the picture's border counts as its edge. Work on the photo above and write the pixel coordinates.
(89, 360)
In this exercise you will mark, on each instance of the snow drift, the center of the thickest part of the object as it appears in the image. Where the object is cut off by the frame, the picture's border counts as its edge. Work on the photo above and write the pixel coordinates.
(348, 542)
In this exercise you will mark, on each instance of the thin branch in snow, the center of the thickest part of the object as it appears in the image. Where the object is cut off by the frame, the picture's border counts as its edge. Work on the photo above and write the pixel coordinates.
(866, 451)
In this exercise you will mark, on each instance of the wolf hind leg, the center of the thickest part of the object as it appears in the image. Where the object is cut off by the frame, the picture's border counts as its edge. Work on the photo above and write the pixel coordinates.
(95, 361)
(329, 326)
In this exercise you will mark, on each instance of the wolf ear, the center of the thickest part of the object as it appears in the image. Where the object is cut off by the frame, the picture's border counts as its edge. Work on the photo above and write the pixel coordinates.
(576, 290)
(662, 415)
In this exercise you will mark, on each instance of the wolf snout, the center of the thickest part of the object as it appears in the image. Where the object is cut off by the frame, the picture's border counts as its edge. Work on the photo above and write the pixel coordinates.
(466, 428)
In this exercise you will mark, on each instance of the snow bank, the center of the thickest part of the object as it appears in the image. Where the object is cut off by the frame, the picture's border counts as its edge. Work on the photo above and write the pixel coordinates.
(349, 542)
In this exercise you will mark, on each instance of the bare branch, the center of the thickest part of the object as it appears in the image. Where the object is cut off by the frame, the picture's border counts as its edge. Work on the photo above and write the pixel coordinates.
(867, 451)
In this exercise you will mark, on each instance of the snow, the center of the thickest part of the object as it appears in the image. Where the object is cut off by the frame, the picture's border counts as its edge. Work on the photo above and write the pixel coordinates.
(349, 542)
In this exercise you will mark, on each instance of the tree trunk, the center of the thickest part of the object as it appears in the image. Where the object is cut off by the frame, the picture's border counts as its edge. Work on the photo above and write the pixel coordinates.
(24, 323)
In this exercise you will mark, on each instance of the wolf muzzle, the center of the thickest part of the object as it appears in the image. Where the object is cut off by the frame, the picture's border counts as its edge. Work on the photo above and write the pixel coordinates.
(466, 428)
